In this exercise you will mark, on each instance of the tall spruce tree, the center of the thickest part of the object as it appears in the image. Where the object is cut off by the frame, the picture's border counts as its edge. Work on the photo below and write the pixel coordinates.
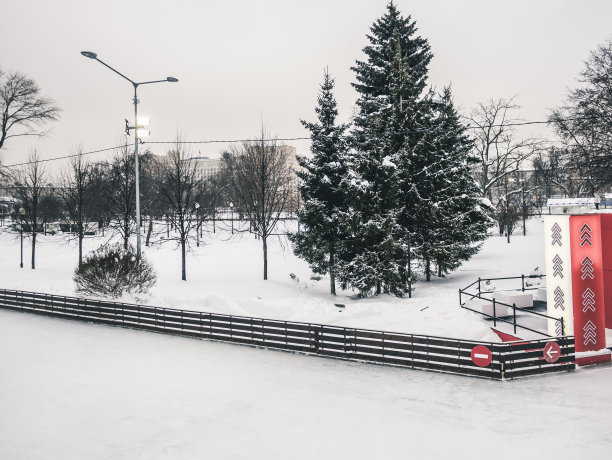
(390, 84)
(321, 241)
(442, 205)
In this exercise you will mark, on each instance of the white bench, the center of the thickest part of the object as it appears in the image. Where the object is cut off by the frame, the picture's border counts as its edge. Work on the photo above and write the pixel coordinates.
(520, 300)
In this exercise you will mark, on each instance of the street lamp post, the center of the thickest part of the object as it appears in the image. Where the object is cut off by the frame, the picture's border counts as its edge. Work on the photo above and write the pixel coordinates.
(21, 214)
(523, 205)
(197, 207)
(91, 55)
(232, 208)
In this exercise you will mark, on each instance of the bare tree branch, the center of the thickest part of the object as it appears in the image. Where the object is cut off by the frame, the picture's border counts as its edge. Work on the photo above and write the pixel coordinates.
(182, 188)
(259, 174)
(22, 108)
(497, 147)
(29, 184)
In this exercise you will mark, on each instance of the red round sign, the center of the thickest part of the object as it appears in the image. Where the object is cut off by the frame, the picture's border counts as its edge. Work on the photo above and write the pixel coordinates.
(481, 356)
(552, 352)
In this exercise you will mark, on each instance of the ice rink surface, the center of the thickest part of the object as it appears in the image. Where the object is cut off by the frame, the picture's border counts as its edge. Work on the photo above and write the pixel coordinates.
(71, 390)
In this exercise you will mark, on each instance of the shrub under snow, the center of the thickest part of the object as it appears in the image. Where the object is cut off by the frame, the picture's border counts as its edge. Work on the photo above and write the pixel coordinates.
(113, 271)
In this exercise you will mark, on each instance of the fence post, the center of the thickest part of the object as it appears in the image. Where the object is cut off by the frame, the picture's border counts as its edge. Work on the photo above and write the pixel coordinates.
(514, 314)
(562, 326)
(523, 282)
(460, 303)
(494, 314)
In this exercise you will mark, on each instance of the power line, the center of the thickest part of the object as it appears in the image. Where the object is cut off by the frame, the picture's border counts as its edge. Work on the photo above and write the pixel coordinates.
(230, 141)
(45, 160)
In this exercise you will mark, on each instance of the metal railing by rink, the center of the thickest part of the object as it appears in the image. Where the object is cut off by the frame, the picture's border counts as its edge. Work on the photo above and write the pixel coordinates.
(407, 350)
(489, 296)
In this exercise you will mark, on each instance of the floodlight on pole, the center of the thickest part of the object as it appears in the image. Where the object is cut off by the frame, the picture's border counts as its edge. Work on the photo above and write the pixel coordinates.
(137, 134)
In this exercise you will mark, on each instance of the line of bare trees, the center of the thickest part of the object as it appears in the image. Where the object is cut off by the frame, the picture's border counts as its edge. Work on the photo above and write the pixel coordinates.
(100, 196)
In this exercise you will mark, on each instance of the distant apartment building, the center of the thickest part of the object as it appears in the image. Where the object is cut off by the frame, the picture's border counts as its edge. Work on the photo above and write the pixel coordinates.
(208, 167)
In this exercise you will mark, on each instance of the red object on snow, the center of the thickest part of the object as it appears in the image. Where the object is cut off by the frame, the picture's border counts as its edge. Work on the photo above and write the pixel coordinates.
(505, 337)
(591, 360)
(481, 356)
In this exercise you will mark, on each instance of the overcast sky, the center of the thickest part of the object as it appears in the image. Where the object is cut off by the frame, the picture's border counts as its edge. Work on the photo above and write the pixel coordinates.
(244, 62)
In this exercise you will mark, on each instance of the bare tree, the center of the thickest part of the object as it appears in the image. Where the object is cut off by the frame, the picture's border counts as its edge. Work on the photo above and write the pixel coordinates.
(584, 124)
(119, 192)
(150, 203)
(497, 146)
(22, 109)
(181, 188)
(77, 194)
(260, 175)
(29, 184)
(555, 176)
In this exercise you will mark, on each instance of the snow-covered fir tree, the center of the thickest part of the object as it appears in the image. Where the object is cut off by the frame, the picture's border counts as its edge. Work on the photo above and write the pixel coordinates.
(323, 186)
(390, 83)
(442, 206)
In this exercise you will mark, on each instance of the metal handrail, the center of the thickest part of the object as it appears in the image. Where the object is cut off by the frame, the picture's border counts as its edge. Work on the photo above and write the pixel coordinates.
(495, 302)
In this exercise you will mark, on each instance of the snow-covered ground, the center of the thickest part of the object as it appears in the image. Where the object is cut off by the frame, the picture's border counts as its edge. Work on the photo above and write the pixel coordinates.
(76, 391)
(70, 390)
(225, 275)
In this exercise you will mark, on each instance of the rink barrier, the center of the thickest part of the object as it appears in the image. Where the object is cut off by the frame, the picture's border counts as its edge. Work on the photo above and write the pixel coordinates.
(489, 296)
(509, 360)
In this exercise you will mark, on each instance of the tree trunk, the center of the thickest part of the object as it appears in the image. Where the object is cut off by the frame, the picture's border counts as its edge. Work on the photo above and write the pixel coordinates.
(264, 240)
(332, 274)
(149, 231)
(34, 248)
(80, 249)
(427, 270)
(126, 229)
(184, 269)
(378, 287)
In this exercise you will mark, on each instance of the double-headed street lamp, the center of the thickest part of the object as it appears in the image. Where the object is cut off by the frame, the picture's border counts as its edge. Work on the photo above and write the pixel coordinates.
(94, 56)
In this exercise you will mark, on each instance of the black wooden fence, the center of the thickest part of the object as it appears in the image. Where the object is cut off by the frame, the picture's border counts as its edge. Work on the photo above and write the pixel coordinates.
(408, 350)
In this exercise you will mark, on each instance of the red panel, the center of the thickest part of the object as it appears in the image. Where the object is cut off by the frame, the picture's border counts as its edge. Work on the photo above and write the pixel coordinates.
(588, 282)
(505, 337)
(606, 240)
(590, 360)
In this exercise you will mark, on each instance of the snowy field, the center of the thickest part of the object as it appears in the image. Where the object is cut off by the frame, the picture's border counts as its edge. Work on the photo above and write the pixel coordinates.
(225, 276)
(71, 390)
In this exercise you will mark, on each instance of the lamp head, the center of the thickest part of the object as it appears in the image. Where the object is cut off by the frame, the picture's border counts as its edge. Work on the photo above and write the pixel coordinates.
(89, 54)
(172, 79)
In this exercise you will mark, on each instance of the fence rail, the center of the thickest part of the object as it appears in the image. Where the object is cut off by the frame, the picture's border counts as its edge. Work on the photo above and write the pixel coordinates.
(408, 350)
(498, 303)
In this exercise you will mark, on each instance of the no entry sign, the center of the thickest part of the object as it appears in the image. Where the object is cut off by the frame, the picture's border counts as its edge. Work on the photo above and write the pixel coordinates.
(481, 356)
(552, 352)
